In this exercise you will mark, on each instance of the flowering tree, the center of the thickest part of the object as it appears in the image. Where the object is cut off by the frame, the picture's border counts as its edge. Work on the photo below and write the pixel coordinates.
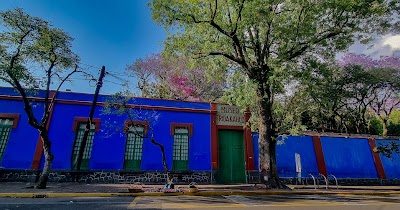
(176, 78)
(383, 86)
(367, 62)
(268, 39)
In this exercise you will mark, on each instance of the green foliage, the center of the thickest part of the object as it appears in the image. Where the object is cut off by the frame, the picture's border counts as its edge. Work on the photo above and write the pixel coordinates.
(346, 99)
(376, 126)
(32, 51)
(394, 123)
(32, 54)
(395, 117)
(393, 129)
(269, 40)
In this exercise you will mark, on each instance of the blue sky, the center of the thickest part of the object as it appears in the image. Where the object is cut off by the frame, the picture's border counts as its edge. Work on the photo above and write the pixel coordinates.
(115, 33)
(109, 33)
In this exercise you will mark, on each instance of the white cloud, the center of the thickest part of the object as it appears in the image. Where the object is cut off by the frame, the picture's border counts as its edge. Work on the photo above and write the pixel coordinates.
(392, 41)
(387, 45)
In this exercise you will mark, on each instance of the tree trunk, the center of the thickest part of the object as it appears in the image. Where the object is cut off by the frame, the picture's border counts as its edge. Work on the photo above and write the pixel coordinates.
(48, 160)
(267, 135)
(164, 159)
(384, 127)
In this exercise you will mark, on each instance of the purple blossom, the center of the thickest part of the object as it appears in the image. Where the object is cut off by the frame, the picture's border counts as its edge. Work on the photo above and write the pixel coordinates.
(370, 63)
(174, 75)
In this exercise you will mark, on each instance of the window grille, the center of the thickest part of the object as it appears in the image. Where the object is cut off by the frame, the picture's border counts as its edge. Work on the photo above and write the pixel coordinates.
(181, 148)
(134, 147)
(5, 130)
(88, 147)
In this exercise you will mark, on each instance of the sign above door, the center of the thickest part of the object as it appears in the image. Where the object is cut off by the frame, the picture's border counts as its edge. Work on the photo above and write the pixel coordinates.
(229, 115)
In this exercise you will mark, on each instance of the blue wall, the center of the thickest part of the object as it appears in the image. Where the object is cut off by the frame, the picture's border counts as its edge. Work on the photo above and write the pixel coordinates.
(256, 151)
(285, 151)
(348, 157)
(390, 165)
(344, 157)
(109, 143)
(22, 141)
(285, 155)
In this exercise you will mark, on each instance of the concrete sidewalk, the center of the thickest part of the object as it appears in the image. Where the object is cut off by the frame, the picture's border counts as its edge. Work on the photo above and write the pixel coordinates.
(27, 190)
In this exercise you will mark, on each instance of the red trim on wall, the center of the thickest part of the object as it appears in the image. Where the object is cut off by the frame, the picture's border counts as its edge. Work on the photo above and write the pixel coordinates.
(14, 117)
(89, 103)
(19, 98)
(37, 156)
(377, 159)
(188, 125)
(78, 120)
(319, 155)
(248, 142)
(128, 123)
(214, 137)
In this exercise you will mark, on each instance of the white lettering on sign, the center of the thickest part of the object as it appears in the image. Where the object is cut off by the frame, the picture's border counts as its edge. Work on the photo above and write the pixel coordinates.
(229, 115)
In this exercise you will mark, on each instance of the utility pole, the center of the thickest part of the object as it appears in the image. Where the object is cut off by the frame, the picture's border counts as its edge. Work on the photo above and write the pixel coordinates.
(89, 121)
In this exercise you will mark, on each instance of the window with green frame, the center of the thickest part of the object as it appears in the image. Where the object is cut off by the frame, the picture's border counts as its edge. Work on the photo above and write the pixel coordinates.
(88, 147)
(181, 149)
(5, 130)
(134, 147)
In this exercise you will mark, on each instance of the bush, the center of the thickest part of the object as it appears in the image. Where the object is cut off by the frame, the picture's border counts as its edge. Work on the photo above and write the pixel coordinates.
(376, 126)
(393, 129)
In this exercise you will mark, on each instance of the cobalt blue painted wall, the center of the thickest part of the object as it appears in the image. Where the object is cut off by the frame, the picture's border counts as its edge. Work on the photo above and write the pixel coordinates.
(109, 143)
(22, 141)
(390, 165)
(256, 151)
(348, 157)
(285, 155)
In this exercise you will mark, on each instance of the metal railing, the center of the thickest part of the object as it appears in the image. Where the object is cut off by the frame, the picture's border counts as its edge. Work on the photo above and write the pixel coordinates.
(325, 179)
(336, 181)
(313, 177)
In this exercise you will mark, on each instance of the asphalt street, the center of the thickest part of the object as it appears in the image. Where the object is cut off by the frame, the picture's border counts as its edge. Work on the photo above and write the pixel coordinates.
(298, 202)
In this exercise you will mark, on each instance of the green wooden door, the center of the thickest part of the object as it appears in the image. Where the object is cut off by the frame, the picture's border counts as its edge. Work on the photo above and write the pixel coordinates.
(180, 158)
(133, 148)
(231, 157)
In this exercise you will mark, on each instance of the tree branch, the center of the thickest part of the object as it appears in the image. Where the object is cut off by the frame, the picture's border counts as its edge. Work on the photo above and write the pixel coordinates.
(16, 84)
(46, 99)
(46, 115)
(238, 17)
(230, 57)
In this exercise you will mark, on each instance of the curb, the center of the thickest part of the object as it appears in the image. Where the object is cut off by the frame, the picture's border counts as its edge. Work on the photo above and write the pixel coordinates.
(204, 193)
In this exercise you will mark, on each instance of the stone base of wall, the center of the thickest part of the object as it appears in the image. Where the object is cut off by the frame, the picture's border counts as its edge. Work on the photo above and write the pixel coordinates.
(148, 177)
(344, 182)
(160, 177)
